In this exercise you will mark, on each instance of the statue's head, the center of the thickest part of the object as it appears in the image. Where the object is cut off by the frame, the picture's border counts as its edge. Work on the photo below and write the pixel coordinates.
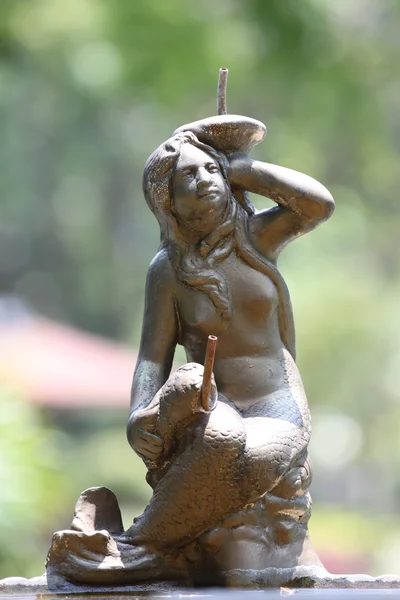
(186, 187)
(185, 183)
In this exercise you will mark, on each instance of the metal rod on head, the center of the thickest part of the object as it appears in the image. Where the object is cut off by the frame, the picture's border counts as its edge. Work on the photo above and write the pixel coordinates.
(221, 96)
(208, 370)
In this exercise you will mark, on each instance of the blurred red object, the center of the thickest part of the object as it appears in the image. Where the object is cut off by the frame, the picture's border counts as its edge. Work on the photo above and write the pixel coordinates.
(55, 365)
(345, 563)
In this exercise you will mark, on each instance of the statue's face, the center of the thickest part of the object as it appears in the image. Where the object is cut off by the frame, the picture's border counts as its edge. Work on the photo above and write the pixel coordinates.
(200, 193)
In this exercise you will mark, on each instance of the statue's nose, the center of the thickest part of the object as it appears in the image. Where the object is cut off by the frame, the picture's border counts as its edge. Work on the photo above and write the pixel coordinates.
(203, 178)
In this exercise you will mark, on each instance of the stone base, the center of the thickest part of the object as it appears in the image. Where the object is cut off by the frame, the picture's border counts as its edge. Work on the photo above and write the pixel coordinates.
(295, 579)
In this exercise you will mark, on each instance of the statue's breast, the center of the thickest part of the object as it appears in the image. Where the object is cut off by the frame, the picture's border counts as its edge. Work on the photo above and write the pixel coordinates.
(198, 315)
(252, 296)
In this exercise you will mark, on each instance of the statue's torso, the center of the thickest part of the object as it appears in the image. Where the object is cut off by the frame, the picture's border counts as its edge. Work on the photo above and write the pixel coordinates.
(251, 360)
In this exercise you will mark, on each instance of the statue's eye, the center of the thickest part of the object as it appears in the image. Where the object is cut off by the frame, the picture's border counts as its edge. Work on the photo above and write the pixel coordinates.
(212, 168)
(187, 174)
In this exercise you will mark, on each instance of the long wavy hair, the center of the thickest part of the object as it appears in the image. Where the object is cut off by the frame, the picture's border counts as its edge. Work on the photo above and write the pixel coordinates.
(195, 265)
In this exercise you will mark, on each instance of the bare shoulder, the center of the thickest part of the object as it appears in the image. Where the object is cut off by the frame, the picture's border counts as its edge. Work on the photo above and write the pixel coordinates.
(161, 272)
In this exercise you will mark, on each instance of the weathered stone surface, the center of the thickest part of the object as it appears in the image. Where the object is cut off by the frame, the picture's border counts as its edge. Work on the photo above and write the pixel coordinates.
(97, 509)
(288, 581)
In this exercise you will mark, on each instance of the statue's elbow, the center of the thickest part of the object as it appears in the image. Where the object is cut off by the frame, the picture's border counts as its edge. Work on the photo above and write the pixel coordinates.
(129, 434)
(131, 428)
(323, 206)
(329, 205)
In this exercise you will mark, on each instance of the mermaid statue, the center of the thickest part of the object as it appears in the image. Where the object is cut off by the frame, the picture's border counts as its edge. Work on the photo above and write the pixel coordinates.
(226, 454)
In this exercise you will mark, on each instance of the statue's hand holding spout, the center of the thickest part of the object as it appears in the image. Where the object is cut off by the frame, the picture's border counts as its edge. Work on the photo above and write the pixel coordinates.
(156, 432)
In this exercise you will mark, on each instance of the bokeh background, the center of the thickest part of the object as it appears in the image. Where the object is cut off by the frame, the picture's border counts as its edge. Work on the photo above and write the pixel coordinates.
(88, 88)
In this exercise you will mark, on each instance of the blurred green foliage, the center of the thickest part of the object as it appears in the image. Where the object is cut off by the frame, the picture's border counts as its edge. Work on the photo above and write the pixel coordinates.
(32, 481)
(88, 88)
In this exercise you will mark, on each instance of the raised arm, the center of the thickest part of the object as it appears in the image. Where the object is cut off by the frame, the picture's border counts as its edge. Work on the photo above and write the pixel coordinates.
(303, 203)
(157, 346)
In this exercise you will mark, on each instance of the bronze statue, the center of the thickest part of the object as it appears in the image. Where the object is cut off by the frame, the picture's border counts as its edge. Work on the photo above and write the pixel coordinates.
(226, 456)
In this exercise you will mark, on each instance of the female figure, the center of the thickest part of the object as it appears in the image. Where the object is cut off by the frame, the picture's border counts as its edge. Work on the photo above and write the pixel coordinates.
(215, 273)
(221, 476)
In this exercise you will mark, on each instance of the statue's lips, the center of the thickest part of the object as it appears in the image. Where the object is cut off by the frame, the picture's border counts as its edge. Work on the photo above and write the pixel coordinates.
(208, 193)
